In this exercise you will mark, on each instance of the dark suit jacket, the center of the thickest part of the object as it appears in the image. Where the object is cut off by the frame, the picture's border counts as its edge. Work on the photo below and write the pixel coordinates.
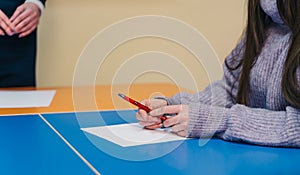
(17, 55)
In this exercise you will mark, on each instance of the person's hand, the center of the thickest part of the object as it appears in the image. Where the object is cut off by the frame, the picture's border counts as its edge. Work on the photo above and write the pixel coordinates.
(179, 122)
(26, 18)
(146, 120)
(6, 27)
(151, 120)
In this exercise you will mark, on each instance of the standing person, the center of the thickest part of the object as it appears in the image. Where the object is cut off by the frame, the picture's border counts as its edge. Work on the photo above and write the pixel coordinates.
(258, 99)
(18, 22)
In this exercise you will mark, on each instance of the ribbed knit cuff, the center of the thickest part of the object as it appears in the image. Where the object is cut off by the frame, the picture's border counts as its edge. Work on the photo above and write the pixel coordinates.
(206, 120)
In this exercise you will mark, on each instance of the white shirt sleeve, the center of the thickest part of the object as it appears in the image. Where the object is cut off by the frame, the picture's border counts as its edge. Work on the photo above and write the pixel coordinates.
(38, 3)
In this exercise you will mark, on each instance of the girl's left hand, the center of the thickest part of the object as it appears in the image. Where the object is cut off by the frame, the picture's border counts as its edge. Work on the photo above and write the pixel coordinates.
(179, 122)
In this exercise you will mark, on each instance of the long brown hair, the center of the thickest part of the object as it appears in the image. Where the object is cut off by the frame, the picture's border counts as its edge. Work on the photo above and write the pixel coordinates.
(255, 38)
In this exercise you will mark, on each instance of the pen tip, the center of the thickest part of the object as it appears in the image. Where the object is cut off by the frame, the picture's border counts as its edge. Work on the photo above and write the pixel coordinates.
(121, 95)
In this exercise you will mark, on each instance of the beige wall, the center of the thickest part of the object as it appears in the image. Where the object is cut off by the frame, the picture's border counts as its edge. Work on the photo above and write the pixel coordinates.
(67, 26)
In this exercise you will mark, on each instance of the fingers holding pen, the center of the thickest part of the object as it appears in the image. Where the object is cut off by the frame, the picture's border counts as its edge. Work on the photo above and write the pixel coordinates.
(159, 108)
(147, 120)
(142, 115)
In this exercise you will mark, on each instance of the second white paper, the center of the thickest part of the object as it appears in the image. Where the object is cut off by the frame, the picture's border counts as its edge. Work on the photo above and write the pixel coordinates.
(26, 98)
(132, 134)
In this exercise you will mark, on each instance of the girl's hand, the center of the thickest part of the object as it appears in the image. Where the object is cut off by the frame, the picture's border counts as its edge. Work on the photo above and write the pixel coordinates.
(179, 122)
(151, 120)
(146, 120)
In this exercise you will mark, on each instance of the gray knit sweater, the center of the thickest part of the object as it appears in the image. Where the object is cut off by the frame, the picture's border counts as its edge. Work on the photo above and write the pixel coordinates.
(268, 119)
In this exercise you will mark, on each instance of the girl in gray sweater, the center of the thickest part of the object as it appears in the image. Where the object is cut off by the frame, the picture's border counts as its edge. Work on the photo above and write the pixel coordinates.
(258, 99)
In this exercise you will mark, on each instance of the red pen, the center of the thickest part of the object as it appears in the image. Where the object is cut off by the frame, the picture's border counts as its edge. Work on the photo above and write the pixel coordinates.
(140, 105)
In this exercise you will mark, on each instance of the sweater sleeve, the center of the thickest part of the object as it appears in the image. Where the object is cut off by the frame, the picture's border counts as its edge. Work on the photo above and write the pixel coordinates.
(213, 112)
(241, 123)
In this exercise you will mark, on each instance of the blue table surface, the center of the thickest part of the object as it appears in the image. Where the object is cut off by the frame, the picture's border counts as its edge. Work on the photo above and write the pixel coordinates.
(178, 157)
(29, 146)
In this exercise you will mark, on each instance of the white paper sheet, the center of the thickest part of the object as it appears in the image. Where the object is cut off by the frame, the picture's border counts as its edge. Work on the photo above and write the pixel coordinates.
(132, 134)
(26, 99)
